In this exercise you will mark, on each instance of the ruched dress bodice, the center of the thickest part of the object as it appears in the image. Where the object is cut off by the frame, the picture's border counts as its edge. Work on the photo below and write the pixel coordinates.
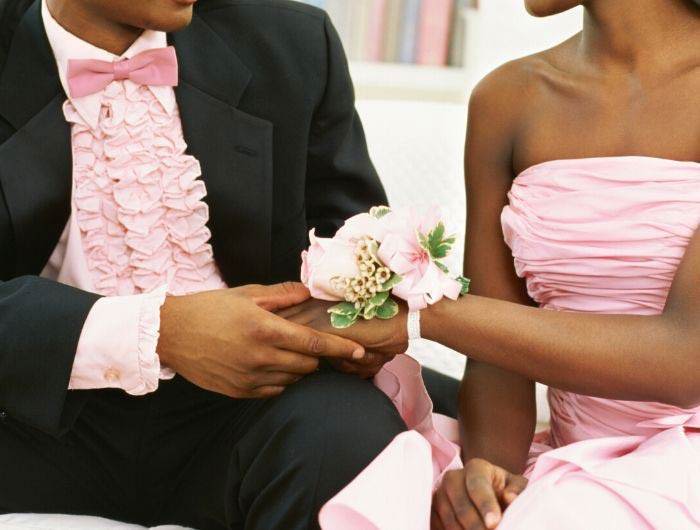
(606, 236)
(603, 235)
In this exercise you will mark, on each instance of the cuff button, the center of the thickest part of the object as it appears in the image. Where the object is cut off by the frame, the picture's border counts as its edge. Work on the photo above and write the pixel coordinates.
(111, 375)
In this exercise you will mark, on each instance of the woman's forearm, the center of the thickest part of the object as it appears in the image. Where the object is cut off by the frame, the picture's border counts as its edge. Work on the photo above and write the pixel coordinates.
(640, 358)
(498, 416)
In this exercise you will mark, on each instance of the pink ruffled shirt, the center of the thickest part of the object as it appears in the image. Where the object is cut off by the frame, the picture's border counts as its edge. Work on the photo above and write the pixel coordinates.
(138, 225)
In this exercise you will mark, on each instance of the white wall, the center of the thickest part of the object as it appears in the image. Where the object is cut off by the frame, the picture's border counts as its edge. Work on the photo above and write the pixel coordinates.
(501, 30)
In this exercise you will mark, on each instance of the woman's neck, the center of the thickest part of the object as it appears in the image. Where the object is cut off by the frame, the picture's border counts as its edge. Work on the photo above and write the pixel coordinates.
(632, 34)
(77, 18)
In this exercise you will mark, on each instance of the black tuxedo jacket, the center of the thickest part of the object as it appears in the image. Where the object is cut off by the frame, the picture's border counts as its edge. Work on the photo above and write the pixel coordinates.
(267, 107)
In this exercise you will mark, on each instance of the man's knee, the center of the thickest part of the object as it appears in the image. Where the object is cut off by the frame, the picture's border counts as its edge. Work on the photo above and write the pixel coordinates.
(339, 414)
(310, 442)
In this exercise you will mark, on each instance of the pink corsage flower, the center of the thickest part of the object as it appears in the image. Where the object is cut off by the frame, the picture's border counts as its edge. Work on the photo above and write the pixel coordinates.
(379, 254)
(324, 260)
(413, 245)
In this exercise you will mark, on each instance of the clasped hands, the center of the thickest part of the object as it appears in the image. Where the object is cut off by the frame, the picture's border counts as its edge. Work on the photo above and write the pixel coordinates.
(472, 498)
(254, 341)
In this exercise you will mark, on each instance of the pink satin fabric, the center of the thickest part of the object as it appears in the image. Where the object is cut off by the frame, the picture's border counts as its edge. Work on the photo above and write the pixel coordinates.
(395, 490)
(606, 235)
(157, 67)
(602, 235)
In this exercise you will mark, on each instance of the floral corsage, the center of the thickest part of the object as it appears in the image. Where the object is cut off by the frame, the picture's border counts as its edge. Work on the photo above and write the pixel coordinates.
(379, 254)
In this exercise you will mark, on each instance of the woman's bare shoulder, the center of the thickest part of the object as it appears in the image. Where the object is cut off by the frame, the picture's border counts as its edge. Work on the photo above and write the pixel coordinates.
(514, 86)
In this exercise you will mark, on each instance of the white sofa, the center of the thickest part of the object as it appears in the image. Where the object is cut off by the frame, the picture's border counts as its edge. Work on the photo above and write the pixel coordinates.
(418, 150)
(67, 522)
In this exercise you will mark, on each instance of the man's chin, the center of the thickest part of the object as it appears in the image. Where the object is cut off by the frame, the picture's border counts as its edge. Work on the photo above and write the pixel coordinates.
(170, 22)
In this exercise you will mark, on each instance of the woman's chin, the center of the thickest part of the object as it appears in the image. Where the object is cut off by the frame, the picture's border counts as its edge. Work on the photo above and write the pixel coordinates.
(547, 8)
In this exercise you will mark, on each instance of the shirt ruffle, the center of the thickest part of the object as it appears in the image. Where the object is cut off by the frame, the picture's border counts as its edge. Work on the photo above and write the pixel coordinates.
(150, 368)
(138, 197)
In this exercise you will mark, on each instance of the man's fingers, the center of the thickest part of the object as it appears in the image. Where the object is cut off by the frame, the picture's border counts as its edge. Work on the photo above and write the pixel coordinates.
(291, 313)
(266, 392)
(515, 485)
(291, 362)
(280, 296)
(276, 379)
(304, 340)
(479, 482)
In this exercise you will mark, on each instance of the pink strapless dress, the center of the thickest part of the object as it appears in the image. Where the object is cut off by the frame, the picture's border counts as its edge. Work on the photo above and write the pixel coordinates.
(600, 235)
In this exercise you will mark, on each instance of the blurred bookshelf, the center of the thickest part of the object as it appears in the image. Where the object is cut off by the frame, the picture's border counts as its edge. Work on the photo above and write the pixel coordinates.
(405, 49)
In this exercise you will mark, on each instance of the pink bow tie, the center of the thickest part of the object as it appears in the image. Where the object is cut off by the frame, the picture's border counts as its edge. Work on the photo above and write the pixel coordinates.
(156, 67)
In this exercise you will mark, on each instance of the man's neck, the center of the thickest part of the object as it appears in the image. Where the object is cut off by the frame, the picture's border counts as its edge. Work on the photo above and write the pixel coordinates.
(76, 18)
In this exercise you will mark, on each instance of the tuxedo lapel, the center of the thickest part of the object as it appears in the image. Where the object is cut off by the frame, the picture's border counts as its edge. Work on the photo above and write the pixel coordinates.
(234, 149)
(35, 162)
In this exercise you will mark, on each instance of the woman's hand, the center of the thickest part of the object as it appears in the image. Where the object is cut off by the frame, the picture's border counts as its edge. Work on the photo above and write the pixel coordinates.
(382, 339)
(475, 497)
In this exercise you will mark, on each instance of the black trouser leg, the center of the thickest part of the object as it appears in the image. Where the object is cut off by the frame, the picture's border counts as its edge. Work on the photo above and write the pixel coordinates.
(443, 390)
(91, 470)
(189, 457)
(278, 467)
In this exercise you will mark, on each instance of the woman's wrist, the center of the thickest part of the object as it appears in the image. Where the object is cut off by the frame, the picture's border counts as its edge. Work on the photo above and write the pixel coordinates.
(432, 317)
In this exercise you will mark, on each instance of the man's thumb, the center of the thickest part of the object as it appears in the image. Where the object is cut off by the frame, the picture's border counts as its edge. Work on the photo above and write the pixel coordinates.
(281, 295)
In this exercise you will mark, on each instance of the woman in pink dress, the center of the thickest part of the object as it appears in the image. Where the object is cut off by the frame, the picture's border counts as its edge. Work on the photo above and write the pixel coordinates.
(585, 157)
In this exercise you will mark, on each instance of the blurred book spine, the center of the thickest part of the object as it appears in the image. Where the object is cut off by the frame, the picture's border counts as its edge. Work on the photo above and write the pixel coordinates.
(434, 31)
(425, 32)
(409, 31)
(376, 30)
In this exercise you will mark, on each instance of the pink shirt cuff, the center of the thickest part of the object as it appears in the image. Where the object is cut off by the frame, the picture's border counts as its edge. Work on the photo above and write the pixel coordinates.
(117, 346)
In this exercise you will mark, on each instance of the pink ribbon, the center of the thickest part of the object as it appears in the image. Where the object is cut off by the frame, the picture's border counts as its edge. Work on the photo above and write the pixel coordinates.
(157, 67)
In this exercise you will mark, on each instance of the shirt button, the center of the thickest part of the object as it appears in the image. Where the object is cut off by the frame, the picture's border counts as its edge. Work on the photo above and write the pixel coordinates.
(111, 375)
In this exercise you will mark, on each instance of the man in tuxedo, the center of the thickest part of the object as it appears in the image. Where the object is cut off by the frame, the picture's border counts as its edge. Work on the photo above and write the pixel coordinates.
(153, 148)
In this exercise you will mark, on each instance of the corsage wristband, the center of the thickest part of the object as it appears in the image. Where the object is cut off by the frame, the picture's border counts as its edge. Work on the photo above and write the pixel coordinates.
(413, 323)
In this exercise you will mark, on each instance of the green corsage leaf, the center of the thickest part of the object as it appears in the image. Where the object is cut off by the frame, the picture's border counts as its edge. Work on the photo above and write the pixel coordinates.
(369, 312)
(436, 243)
(343, 308)
(342, 321)
(442, 267)
(466, 282)
(388, 310)
(378, 299)
(379, 211)
(392, 282)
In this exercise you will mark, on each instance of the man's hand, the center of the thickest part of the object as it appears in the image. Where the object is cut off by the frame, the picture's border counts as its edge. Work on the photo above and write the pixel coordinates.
(230, 341)
(474, 498)
(382, 339)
